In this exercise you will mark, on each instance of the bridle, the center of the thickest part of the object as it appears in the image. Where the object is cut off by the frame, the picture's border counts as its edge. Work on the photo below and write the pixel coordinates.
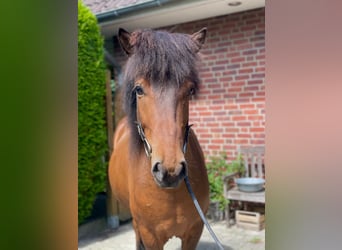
(147, 145)
(148, 151)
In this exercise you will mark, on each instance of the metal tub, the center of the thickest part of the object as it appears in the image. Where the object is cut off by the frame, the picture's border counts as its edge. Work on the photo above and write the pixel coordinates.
(250, 184)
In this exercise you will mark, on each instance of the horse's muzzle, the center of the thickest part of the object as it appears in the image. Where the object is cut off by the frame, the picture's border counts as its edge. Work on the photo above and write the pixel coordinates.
(169, 178)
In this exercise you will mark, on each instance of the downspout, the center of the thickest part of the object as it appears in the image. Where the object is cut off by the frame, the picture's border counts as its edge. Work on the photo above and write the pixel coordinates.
(106, 16)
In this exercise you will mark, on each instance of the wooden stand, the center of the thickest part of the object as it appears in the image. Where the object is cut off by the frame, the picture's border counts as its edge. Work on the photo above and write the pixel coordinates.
(250, 220)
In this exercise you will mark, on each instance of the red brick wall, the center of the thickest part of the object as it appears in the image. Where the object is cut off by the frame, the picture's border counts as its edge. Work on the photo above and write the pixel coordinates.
(230, 108)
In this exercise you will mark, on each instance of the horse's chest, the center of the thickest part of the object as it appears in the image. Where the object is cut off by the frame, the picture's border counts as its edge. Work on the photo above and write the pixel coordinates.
(170, 209)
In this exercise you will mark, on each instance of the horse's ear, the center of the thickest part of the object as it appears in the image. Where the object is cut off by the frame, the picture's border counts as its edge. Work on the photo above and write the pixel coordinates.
(199, 38)
(124, 40)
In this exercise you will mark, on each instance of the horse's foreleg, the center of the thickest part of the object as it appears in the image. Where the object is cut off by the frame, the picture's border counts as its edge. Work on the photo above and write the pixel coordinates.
(138, 242)
(192, 237)
(146, 240)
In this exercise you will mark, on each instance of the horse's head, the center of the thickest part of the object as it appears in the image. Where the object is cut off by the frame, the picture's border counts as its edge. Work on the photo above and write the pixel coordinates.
(160, 77)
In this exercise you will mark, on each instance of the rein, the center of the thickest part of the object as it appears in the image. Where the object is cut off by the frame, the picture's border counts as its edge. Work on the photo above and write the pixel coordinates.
(148, 151)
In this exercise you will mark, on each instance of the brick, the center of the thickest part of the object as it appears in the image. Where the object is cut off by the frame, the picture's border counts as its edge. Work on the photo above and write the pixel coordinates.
(213, 147)
(201, 108)
(226, 79)
(219, 113)
(257, 38)
(258, 99)
(231, 130)
(203, 141)
(259, 81)
(228, 124)
(237, 59)
(255, 117)
(246, 94)
(241, 77)
(230, 96)
(237, 36)
(205, 113)
(216, 130)
(216, 107)
(217, 141)
(258, 142)
(244, 130)
(251, 111)
(202, 130)
(236, 89)
(260, 57)
(234, 112)
(259, 44)
(237, 83)
(233, 66)
(215, 96)
(245, 70)
(220, 50)
(259, 75)
(223, 118)
(205, 135)
(224, 44)
(206, 75)
(244, 124)
(214, 86)
(215, 102)
(250, 52)
(239, 118)
(251, 88)
(222, 62)
(244, 135)
(240, 41)
(247, 106)
(208, 119)
(233, 54)
(250, 64)
(218, 68)
(212, 124)
(218, 90)
(244, 46)
(242, 100)
(240, 141)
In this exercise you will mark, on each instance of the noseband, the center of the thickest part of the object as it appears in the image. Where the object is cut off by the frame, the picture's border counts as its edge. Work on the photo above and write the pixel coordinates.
(147, 145)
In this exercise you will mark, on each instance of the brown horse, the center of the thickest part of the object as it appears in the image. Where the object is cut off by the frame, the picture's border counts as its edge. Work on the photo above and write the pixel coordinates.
(151, 155)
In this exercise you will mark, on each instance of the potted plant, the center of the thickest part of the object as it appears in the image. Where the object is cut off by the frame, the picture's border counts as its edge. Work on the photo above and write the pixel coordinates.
(216, 168)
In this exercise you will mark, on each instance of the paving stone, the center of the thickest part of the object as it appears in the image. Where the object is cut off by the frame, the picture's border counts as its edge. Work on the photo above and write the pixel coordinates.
(232, 238)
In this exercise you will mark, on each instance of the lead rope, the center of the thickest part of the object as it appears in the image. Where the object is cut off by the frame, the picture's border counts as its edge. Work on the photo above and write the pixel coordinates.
(193, 197)
(200, 212)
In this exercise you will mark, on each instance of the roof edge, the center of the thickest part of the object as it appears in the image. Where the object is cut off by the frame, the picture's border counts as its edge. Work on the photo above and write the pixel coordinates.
(106, 16)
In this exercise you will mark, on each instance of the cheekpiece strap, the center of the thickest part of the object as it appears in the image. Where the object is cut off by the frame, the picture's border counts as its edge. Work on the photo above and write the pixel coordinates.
(147, 146)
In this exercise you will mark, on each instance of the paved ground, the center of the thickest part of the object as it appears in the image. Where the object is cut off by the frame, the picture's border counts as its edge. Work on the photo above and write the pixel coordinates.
(232, 238)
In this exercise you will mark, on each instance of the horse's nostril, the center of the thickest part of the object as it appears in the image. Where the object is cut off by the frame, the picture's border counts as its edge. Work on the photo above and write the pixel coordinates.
(184, 169)
(156, 167)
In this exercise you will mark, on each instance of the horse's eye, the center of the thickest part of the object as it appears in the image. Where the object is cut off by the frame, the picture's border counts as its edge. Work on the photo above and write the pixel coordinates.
(192, 91)
(139, 90)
